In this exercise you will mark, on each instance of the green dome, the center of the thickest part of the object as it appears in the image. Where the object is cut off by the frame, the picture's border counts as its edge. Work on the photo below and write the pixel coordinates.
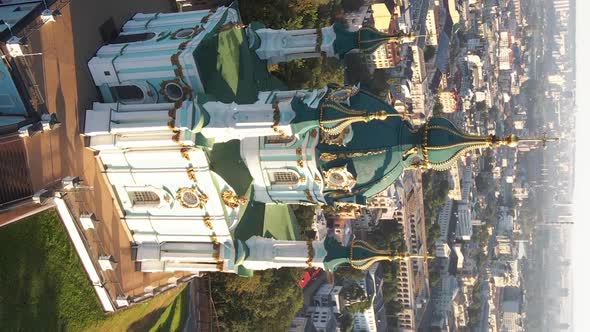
(359, 254)
(365, 39)
(443, 143)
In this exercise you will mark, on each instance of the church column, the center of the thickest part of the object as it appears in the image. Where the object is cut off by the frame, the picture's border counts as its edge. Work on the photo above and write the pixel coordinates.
(283, 45)
(265, 253)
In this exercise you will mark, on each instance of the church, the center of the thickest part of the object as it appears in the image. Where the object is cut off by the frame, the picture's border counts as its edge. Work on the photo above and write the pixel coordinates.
(202, 146)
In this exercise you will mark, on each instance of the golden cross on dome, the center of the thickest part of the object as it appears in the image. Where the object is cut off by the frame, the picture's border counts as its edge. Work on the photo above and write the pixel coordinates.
(513, 140)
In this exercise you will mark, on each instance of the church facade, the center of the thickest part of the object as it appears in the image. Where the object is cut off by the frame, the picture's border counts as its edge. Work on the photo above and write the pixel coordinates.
(195, 138)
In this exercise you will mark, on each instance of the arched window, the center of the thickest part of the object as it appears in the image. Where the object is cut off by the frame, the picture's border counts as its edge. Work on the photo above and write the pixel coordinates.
(278, 139)
(132, 38)
(285, 177)
(144, 198)
(131, 94)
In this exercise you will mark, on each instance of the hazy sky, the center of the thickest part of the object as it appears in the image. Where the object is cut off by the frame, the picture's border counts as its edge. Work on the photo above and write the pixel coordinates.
(581, 254)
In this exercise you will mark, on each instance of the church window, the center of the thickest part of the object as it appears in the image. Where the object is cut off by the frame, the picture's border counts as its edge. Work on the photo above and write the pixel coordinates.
(184, 33)
(278, 139)
(284, 177)
(173, 91)
(132, 38)
(144, 198)
(128, 93)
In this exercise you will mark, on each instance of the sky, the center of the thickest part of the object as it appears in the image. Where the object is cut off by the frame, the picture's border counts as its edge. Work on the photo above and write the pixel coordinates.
(581, 228)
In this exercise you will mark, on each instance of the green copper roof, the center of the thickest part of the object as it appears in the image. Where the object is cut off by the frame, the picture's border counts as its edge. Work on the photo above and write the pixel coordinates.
(377, 153)
(359, 254)
(444, 143)
(229, 70)
(366, 39)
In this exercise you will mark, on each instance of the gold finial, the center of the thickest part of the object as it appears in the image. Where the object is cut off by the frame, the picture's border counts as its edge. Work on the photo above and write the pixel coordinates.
(513, 140)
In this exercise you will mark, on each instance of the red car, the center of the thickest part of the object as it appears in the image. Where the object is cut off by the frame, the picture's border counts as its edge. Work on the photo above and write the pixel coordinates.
(308, 276)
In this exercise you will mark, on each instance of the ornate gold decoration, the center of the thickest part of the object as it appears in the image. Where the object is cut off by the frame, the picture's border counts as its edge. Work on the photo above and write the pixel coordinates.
(329, 156)
(191, 197)
(191, 174)
(171, 124)
(299, 151)
(308, 195)
(313, 133)
(232, 200)
(334, 139)
(317, 179)
(300, 163)
(176, 135)
(219, 266)
(186, 90)
(207, 222)
(342, 209)
(302, 179)
(276, 118)
(339, 178)
(184, 152)
(355, 116)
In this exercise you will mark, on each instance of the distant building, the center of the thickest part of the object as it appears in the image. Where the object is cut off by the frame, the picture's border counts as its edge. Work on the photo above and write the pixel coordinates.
(432, 27)
(387, 55)
(448, 99)
(323, 318)
(328, 295)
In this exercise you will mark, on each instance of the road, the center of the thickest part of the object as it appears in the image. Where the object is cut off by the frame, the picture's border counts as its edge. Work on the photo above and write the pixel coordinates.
(199, 315)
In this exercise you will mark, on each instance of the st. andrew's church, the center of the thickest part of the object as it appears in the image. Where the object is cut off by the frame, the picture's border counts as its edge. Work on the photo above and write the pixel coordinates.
(202, 145)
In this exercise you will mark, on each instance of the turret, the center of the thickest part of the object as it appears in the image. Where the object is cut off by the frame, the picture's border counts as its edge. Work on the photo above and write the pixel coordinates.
(259, 253)
(333, 41)
(443, 143)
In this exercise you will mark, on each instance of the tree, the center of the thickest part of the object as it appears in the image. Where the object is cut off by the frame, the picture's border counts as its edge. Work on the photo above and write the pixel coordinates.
(481, 106)
(359, 306)
(267, 301)
(437, 109)
(346, 322)
(429, 53)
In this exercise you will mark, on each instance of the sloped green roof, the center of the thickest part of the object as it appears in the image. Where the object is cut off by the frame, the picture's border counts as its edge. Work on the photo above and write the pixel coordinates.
(229, 70)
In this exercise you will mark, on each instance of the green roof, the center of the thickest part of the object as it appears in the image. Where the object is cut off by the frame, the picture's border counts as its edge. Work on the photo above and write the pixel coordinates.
(229, 70)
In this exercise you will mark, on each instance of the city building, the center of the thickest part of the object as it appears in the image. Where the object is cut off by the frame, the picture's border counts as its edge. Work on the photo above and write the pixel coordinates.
(448, 100)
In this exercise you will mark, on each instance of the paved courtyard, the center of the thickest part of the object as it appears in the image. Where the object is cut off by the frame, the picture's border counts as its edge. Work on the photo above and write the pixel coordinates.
(67, 87)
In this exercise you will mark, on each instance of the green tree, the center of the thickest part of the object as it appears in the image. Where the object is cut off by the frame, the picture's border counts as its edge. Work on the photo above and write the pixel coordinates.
(358, 306)
(437, 109)
(429, 53)
(267, 301)
(481, 106)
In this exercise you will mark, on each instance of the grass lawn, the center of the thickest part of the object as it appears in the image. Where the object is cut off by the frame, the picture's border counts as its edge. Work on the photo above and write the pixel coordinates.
(165, 312)
(42, 283)
(43, 287)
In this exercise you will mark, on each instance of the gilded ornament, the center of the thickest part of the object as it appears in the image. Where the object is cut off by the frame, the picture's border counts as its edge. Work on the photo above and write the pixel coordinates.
(176, 135)
(317, 179)
(309, 196)
(191, 197)
(191, 174)
(232, 200)
(207, 222)
(302, 179)
(300, 163)
(184, 152)
(339, 178)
